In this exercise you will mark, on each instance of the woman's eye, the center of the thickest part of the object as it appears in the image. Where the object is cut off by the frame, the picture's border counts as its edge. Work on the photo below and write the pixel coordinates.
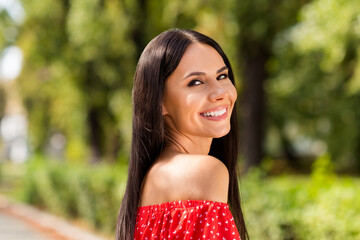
(194, 83)
(222, 76)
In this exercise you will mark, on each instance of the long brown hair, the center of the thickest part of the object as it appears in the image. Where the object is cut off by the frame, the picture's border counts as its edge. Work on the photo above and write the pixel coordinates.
(158, 60)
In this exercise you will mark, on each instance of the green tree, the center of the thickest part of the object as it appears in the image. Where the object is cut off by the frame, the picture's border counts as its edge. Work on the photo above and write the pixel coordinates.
(78, 61)
(80, 58)
(8, 34)
(260, 22)
(316, 89)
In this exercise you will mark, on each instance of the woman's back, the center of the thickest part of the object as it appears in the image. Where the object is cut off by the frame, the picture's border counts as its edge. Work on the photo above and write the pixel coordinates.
(184, 196)
(177, 176)
(186, 220)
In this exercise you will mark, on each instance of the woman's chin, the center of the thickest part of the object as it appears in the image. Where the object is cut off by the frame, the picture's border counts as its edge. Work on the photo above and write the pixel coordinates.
(221, 133)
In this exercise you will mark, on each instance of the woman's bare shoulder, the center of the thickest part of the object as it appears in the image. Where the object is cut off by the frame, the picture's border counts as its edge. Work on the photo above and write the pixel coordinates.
(198, 167)
(187, 176)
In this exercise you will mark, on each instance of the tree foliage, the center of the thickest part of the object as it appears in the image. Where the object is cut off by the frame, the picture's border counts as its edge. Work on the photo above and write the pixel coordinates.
(80, 58)
(297, 63)
(316, 89)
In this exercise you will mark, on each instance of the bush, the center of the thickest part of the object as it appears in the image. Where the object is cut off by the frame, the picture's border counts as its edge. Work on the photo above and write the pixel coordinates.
(294, 207)
(92, 193)
(322, 206)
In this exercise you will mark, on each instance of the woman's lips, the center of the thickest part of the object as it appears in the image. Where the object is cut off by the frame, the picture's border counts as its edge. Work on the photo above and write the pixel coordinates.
(216, 114)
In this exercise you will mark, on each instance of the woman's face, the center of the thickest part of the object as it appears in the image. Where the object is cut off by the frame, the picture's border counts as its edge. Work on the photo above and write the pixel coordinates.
(199, 97)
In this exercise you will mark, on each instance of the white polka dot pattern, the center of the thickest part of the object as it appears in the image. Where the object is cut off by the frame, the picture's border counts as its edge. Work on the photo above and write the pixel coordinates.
(186, 219)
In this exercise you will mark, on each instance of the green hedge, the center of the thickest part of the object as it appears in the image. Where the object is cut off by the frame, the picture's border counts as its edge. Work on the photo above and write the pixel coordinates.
(320, 206)
(92, 193)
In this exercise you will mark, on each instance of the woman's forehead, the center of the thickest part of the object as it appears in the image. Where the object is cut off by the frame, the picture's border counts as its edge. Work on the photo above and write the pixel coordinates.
(200, 57)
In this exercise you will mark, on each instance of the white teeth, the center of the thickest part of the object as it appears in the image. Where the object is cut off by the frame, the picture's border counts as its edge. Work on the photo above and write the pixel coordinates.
(215, 114)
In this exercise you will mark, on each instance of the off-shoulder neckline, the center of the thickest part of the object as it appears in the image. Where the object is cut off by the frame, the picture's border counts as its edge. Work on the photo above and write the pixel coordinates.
(181, 204)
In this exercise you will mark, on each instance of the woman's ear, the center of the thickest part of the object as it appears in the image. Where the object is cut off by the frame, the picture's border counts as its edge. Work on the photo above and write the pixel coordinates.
(164, 110)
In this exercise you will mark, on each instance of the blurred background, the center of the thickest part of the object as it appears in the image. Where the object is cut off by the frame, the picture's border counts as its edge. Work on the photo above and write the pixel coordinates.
(66, 71)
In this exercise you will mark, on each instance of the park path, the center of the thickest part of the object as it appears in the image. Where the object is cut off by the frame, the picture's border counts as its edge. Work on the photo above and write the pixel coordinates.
(11, 228)
(20, 222)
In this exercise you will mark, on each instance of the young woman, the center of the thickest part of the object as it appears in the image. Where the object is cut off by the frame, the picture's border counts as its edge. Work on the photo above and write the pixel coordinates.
(182, 180)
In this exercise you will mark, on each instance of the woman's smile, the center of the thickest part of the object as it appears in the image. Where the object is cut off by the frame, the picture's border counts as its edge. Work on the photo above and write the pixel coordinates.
(215, 114)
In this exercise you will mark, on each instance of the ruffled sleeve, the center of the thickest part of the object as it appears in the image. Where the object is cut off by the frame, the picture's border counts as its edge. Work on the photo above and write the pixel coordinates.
(189, 219)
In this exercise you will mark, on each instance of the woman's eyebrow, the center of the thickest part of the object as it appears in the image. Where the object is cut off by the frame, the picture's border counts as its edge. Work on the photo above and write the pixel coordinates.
(222, 69)
(194, 74)
(202, 73)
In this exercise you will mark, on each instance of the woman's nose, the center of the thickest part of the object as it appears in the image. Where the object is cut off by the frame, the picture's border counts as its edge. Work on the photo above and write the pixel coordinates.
(218, 92)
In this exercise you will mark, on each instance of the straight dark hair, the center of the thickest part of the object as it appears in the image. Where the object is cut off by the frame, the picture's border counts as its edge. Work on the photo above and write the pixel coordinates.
(158, 60)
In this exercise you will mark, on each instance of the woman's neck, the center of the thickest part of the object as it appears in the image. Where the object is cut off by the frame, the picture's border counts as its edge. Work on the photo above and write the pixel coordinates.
(190, 145)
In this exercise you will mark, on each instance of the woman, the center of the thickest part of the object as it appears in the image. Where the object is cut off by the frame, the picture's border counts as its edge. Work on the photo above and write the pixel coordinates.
(182, 176)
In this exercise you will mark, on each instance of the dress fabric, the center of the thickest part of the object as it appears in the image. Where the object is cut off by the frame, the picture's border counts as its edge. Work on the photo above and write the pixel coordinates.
(186, 219)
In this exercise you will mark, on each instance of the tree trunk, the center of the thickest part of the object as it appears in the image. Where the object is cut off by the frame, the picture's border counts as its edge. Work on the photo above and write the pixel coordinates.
(253, 105)
(138, 28)
(357, 150)
(289, 151)
(94, 136)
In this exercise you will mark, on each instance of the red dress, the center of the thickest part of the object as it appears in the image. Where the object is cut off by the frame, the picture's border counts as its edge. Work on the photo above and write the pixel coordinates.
(186, 219)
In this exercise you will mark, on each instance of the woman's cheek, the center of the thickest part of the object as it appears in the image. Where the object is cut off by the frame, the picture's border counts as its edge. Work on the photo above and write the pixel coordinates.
(233, 93)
